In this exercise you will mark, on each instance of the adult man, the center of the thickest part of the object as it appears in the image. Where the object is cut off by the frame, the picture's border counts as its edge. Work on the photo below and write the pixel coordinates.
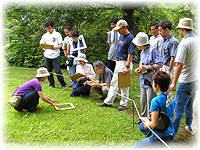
(51, 56)
(168, 46)
(102, 84)
(185, 72)
(113, 38)
(124, 55)
(156, 38)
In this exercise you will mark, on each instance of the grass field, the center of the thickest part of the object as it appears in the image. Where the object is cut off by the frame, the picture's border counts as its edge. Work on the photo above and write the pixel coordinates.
(86, 125)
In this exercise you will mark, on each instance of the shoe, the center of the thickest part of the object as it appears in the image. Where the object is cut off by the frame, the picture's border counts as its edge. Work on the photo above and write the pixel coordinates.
(70, 86)
(64, 88)
(104, 105)
(188, 130)
(121, 108)
(138, 122)
(37, 110)
(51, 86)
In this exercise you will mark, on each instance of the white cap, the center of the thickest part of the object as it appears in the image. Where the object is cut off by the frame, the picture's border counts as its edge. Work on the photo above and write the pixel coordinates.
(81, 56)
(42, 72)
(120, 24)
(185, 23)
(141, 39)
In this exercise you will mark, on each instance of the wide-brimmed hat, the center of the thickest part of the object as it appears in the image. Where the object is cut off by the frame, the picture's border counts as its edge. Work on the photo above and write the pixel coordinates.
(141, 39)
(42, 72)
(120, 24)
(81, 56)
(185, 23)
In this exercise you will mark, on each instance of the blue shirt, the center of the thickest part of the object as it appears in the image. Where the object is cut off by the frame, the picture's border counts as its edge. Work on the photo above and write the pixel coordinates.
(125, 46)
(168, 49)
(149, 56)
(158, 103)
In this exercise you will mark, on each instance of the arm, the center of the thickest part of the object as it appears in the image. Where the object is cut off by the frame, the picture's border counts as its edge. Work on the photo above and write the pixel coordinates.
(171, 64)
(47, 100)
(128, 63)
(68, 48)
(154, 120)
(177, 72)
(58, 47)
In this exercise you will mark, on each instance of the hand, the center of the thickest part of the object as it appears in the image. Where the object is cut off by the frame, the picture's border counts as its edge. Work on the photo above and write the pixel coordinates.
(172, 87)
(125, 71)
(93, 84)
(143, 67)
(138, 70)
(66, 55)
(85, 75)
(54, 100)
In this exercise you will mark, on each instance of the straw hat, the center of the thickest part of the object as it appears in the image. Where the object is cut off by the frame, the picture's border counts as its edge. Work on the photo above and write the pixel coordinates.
(81, 56)
(120, 24)
(185, 23)
(141, 39)
(42, 72)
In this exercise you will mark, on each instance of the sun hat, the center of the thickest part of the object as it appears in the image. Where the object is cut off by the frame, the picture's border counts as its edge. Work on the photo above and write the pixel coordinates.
(42, 72)
(185, 23)
(141, 39)
(120, 24)
(81, 56)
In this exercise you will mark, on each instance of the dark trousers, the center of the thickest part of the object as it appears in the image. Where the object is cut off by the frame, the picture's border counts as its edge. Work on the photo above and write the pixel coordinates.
(54, 64)
(111, 65)
(29, 102)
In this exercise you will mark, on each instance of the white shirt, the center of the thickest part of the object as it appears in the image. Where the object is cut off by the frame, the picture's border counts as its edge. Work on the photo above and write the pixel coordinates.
(55, 39)
(156, 41)
(187, 54)
(86, 69)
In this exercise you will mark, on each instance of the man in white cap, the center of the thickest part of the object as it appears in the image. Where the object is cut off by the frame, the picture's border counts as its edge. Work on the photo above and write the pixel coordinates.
(31, 91)
(124, 55)
(185, 73)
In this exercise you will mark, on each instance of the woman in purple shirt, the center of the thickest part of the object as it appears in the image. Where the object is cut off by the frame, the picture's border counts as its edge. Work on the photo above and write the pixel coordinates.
(31, 91)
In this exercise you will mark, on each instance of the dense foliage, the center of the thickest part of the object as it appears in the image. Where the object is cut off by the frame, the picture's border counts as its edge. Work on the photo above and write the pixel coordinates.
(24, 26)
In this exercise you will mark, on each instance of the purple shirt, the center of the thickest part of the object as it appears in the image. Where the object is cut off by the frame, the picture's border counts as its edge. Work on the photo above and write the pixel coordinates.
(29, 86)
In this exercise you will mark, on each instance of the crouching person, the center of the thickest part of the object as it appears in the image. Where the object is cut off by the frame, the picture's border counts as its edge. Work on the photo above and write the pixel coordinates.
(160, 85)
(102, 84)
(31, 91)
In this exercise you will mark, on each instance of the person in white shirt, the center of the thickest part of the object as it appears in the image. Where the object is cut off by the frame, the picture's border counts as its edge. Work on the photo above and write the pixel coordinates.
(51, 56)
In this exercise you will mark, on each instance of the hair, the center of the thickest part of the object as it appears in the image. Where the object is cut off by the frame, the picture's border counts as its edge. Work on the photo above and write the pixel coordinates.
(69, 28)
(49, 23)
(162, 79)
(154, 24)
(98, 64)
(165, 24)
(75, 33)
(114, 20)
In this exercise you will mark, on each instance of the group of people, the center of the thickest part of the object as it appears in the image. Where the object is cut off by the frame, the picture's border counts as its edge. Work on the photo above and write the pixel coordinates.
(158, 78)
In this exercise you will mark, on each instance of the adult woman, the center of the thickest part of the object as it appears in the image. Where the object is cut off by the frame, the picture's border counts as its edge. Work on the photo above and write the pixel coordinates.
(150, 60)
(31, 91)
(161, 81)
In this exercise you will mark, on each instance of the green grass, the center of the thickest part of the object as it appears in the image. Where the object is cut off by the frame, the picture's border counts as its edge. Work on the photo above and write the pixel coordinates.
(86, 125)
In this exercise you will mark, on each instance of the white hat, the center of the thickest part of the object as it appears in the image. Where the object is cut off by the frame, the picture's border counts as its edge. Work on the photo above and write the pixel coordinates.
(42, 72)
(120, 24)
(185, 23)
(81, 56)
(141, 39)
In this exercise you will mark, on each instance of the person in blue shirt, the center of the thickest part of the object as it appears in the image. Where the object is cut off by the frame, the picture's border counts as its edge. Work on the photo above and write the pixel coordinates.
(161, 81)
(150, 61)
(124, 55)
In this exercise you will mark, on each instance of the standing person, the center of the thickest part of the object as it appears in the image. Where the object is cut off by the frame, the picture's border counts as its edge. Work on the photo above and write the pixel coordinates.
(156, 38)
(51, 56)
(168, 47)
(102, 84)
(124, 55)
(160, 84)
(31, 91)
(113, 38)
(77, 42)
(185, 73)
(150, 61)
(68, 33)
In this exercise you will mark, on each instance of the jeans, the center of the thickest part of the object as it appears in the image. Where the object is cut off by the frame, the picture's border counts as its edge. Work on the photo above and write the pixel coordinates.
(29, 101)
(54, 64)
(72, 71)
(184, 99)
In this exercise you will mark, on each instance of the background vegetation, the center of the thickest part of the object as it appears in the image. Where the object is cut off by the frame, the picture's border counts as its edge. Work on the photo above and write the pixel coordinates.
(24, 25)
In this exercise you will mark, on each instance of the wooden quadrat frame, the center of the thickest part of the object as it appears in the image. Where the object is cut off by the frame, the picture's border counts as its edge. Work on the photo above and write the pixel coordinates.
(71, 106)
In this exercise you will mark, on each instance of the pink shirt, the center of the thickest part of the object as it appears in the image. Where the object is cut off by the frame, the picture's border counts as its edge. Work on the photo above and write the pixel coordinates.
(86, 69)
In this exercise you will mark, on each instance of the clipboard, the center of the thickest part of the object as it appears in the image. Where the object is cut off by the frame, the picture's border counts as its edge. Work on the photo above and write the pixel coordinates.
(76, 76)
(46, 46)
(124, 81)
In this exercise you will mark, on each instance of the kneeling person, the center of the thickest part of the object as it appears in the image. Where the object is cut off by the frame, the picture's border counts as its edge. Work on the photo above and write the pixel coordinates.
(102, 84)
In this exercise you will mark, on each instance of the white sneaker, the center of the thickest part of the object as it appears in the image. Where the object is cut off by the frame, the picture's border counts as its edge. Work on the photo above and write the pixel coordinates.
(188, 130)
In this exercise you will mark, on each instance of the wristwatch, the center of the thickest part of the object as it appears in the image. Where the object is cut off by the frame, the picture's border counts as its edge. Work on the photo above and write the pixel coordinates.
(127, 66)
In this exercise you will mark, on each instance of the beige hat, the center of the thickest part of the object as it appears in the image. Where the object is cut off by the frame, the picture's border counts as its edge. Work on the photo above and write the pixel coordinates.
(141, 39)
(81, 56)
(185, 23)
(120, 24)
(42, 72)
